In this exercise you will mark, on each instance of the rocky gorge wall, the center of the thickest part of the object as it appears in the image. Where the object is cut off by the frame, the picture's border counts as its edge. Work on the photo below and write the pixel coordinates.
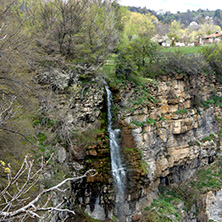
(213, 205)
(170, 129)
(175, 135)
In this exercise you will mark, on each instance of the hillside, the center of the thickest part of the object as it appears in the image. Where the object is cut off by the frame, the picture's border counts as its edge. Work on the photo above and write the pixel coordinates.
(184, 17)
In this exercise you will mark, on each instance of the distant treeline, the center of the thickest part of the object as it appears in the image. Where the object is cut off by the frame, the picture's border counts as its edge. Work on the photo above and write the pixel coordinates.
(184, 17)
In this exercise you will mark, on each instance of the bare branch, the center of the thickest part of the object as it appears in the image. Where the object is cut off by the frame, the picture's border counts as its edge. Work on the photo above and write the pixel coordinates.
(19, 133)
(14, 207)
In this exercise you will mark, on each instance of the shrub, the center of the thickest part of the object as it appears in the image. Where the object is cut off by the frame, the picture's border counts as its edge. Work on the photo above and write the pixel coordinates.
(213, 55)
(165, 63)
(189, 64)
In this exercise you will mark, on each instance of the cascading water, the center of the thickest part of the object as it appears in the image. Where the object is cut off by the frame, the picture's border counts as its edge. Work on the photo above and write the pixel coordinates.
(118, 171)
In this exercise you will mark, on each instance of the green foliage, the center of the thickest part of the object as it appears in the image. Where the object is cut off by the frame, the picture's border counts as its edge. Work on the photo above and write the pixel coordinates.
(190, 65)
(190, 143)
(114, 218)
(220, 134)
(185, 18)
(138, 25)
(135, 56)
(209, 178)
(181, 111)
(109, 65)
(144, 166)
(215, 99)
(209, 138)
(164, 209)
(88, 138)
(143, 53)
(213, 55)
(140, 96)
(125, 66)
(168, 156)
(43, 120)
(197, 143)
(137, 123)
(142, 58)
(162, 118)
(149, 121)
(184, 50)
(134, 159)
(64, 29)
(41, 137)
(175, 28)
(206, 179)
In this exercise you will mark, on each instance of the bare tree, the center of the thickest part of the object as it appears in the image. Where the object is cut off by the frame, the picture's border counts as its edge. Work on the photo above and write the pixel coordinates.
(101, 29)
(17, 202)
(15, 50)
(82, 30)
(7, 110)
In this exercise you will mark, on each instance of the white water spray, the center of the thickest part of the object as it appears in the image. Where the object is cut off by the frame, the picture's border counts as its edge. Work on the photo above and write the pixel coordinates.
(118, 171)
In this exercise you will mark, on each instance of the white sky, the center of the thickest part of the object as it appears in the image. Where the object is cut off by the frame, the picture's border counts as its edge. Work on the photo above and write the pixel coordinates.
(174, 5)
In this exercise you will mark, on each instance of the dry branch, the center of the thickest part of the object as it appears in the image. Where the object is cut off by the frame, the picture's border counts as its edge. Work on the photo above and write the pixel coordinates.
(12, 204)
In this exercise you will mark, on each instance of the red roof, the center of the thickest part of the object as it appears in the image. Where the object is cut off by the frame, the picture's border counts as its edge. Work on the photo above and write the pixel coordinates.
(215, 35)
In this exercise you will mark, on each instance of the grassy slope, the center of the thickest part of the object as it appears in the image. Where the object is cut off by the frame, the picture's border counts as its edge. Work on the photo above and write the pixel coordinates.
(185, 49)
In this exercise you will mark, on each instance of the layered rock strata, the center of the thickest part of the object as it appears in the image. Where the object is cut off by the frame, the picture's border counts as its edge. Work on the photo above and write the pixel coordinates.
(175, 134)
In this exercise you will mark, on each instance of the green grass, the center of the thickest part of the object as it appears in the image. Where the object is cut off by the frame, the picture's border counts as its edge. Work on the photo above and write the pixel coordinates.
(181, 111)
(164, 209)
(209, 178)
(109, 65)
(217, 100)
(149, 121)
(209, 138)
(186, 49)
(41, 137)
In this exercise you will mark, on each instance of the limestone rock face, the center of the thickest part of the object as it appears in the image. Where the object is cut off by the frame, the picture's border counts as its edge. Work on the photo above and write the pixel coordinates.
(83, 142)
(61, 155)
(165, 137)
(58, 79)
(213, 205)
(175, 138)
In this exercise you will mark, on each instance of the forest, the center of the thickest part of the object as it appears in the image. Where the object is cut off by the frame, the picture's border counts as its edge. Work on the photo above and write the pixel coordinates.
(184, 17)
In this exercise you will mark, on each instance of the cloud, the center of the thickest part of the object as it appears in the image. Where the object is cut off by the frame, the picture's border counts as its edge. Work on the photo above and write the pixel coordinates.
(174, 5)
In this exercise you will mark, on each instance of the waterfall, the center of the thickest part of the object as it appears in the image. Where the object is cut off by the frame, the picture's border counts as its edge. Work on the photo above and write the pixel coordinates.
(118, 171)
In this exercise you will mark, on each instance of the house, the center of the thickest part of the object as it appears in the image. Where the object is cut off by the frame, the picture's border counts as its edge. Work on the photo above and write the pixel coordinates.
(216, 37)
(161, 40)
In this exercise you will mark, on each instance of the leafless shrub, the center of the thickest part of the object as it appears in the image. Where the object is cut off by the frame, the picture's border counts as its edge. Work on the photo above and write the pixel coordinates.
(16, 203)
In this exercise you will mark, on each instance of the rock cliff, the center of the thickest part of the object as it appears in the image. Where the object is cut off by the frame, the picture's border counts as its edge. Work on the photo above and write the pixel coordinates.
(173, 126)
(213, 205)
(170, 129)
